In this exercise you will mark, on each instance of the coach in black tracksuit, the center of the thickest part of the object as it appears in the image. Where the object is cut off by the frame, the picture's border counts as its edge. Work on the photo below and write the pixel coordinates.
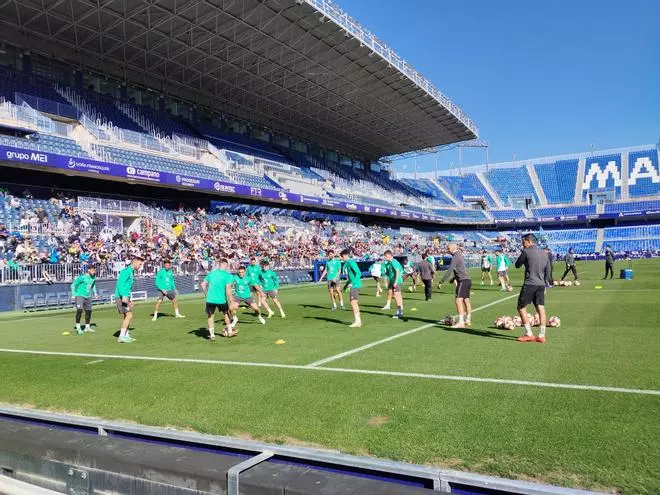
(609, 262)
(426, 272)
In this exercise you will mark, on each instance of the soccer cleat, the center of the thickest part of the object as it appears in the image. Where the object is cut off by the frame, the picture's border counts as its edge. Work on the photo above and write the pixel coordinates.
(155, 318)
(395, 316)
(540, 339)
(468, 323)
(80, 331)
(283, 315)
(261, 320)
(526, 338)
(355, 324)
(458, 325)
(386, 307)
(334, 308)
(125, 340)
(212, 338)
(179, 316)
(270, 314)
(491, 283)
(482, 282)
(343, 308)
(89, 330)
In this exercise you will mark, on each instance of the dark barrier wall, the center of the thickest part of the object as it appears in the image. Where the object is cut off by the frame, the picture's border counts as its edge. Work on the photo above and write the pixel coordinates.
(11, 296)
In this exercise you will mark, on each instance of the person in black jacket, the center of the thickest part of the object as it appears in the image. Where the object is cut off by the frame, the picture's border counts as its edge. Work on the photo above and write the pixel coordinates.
(569, 259)
(609, 262)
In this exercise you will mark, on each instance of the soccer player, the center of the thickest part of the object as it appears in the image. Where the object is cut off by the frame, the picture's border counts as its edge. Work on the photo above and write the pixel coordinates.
(123, 298)
(166, 289)
(409, 272)
(537, 272)
(270, 282)
(217, 289)
(253, 270)
(333, 271)
(376, 272)
(486, 265)
(569, 259)
(354, 280)
(82, 289)
(458, 272)
(394, 274)
(551, 259)
(243, 295)
(609, 262)
(502, 263)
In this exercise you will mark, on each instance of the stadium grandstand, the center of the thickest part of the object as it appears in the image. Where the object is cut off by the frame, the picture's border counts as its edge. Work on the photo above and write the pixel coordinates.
(198, 130)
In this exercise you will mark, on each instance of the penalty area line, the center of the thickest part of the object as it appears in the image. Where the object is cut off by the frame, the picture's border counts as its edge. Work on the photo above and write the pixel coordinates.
(399, 374)
(396, 336)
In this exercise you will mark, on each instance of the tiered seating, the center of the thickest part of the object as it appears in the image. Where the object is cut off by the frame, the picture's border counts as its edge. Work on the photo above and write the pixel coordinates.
(105, 107)
(583, 241)
(166, 124)
(644, 163)
(467, 185)
(476, 215)
(635, 245)
(636, 206)
(558, 180)
(605, 164)
(564, 211)
(45, 142)
(158, 163)
(511, 183)
(254, 180)
(238, 159)
(428, 188)
(12, 82)
(507, 214)
(637, 232)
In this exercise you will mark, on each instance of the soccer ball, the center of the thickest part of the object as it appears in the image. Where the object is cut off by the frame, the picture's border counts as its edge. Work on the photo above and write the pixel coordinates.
(557, 282)
(517, 320)
(554, 321)
(410, 289)
(577, 282)
(449, 320)
(510, 325)
(568, 283)
(509, 288)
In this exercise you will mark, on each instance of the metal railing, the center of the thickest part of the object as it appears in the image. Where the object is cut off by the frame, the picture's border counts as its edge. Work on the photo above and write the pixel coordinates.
(25, 116)
(48, 106)
(343, 20)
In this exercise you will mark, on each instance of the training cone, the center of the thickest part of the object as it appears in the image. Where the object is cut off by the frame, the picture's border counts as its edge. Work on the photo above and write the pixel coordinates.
(413, 309)
(279, 342)
(598, 287)
(66, 333)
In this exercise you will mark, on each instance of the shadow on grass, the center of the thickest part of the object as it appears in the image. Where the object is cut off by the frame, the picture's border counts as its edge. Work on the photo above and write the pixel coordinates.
(200, 332)
(323, 318)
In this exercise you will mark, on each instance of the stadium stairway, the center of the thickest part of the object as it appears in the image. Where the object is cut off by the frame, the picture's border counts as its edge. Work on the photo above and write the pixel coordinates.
(624, 176)
(491, 191)
(582, 163)
(540, 193)
(446, 192)
(600, 235)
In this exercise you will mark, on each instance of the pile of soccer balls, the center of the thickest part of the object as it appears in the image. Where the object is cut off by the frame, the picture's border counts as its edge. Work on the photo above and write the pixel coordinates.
(566, 283)
(512, 322)
(448, 320)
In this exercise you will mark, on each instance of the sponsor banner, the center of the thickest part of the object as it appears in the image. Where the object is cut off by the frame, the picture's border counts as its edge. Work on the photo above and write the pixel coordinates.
(87, 165)
(631, 214)
(652, 212)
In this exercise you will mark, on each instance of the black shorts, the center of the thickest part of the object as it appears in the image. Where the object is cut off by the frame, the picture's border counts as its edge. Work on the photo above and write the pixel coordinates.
(170, 294)
(212, 307)
(123, 307)
(272, 294)
(248, 301)
(332, 284)
(463, 289)
(355, 294)
(84, 303)
(531, 294)
(394, 287)
(485, 270)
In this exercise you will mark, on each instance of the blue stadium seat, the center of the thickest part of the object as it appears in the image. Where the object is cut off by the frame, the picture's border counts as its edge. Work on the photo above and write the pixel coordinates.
(643, 173)
(558, 180)
(467, 185)
(511, 183)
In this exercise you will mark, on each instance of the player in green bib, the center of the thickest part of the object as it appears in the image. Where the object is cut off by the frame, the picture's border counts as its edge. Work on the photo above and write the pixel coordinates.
(394, 274)
(123, 298)
(243, 284)
(217, 289)
(82, 289)
(486, 267)
(253, 270)
(166, 287)
(354, 281)
(333, 271)
(270, 283)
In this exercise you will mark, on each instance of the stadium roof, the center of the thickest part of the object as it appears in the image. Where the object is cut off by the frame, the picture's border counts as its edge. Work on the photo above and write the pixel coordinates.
(302, 67)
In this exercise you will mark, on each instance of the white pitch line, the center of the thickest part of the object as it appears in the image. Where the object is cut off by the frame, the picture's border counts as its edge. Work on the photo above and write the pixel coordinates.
(97, 361)
(396, 336)
(401, 374)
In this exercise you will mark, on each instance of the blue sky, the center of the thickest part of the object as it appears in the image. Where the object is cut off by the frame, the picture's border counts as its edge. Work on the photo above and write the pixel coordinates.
(539, 78)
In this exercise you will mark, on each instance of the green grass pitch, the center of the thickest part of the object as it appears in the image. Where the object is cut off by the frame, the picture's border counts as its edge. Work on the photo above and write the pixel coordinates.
(580, 437)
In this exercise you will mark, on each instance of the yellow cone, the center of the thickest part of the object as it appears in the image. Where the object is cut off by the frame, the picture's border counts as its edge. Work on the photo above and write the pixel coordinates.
(66, 333)
(413, 309)
(598, 287)
(279, 342)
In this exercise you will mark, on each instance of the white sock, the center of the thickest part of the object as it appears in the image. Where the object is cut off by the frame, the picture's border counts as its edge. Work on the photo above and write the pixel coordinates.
(77, 326)
(469, 317)
(176, 312)
(542, 331)
(528, 330)
(87, 326)
(461, 318)
(212, 332)
(334, 305)
(123, 332)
